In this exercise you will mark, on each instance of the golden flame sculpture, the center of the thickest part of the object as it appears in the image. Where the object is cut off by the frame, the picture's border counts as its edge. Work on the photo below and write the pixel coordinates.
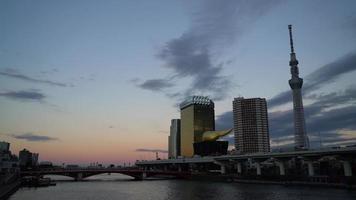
(214, 135)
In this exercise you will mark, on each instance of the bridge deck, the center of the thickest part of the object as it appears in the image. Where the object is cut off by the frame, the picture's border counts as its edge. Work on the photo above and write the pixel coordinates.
(211, 159)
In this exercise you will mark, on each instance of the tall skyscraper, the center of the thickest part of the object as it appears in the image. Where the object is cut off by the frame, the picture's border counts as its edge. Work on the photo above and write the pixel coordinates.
(300, 134)
(197, 116)
(174, 139)
(251, 125)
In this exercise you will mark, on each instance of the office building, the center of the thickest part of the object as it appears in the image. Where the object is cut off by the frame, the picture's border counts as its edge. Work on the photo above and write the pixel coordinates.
(174, 139)
(300, 135)
(197, 116)
(250, 125)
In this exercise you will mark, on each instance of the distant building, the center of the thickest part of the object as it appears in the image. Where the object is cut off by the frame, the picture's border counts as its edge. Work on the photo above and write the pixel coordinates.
(34, 159)
(4, 146)
(8, 162)
(45, 164)
(251, 125)
(174, 139)
(197, 116)
(27, 159)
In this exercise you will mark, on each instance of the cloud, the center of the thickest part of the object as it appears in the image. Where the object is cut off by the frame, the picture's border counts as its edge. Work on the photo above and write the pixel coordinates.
(328, 116)
(330, 72)
(152, 150)
(155, 84)
(195, 53)
(224, 121)
(324, 75)
(15, 74)
(24, 95)
(324, 115)
(33, 138)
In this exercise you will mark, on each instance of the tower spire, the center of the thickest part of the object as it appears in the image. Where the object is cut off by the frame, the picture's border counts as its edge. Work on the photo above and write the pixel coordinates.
(291, 38)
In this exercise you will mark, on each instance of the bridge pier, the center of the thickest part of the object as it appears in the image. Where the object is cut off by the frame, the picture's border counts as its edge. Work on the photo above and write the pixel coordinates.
(141, 177)
(347, 168)
(179, 168)
(222, 167)
(310, 168)
(282, 170)
(79, 177)
(258, 168)
(239, 168)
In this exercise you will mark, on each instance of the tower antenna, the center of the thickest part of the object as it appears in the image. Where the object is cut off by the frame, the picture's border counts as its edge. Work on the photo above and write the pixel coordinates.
(291, 38)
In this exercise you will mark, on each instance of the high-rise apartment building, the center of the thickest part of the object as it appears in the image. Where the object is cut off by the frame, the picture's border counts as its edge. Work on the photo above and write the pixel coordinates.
(251, 125)
(197, 116)
(300, 135)
(174, 139)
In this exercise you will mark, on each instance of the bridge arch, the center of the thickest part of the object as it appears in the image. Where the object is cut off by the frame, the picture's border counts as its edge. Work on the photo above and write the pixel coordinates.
(82, 174)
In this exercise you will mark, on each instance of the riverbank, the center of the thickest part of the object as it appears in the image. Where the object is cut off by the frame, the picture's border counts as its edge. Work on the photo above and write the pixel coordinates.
(7, 190)
(297, 183)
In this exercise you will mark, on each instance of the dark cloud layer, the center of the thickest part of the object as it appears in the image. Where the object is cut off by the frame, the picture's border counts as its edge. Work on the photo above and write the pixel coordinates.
(33, 137)
(324, 75)
(15, 74)
(155, 84)
(194, 54)
(152, 150)
(24, 95)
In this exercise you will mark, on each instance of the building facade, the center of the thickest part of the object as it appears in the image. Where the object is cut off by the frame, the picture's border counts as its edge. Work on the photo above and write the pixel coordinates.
(28, 159)
(9, 165)
(174, 139)
(251, 131)
(4, 146)
(197, 116)
(300, 135)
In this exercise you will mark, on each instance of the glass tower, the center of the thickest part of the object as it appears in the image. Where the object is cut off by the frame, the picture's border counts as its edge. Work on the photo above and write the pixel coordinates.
(197, 116)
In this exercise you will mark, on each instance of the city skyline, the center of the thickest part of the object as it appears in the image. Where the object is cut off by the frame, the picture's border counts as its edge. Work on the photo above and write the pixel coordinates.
(66, 87)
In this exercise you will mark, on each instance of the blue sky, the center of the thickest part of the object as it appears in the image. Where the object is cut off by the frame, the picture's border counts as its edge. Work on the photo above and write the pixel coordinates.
(107, 75)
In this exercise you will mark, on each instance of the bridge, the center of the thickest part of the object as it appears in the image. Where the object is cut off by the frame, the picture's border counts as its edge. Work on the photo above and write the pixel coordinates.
(301, 165)
(82, 173)
(337, 162)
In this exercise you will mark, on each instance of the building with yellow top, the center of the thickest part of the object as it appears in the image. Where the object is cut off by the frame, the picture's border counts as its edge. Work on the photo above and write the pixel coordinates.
(197, 117)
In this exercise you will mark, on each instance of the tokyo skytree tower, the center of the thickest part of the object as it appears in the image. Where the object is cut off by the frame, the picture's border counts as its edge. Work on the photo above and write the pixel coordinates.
(301, 141)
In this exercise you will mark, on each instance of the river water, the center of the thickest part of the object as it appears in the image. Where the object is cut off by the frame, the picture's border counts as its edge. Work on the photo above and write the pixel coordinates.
(109, 187)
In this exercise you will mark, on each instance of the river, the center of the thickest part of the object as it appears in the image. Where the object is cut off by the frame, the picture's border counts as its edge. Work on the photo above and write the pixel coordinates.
(109, 187)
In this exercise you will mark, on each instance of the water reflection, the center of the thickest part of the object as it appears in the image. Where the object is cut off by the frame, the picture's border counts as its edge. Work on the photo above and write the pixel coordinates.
(116, 186)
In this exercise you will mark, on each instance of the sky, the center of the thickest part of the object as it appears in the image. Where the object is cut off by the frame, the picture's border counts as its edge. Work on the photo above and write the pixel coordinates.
(99, 81)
